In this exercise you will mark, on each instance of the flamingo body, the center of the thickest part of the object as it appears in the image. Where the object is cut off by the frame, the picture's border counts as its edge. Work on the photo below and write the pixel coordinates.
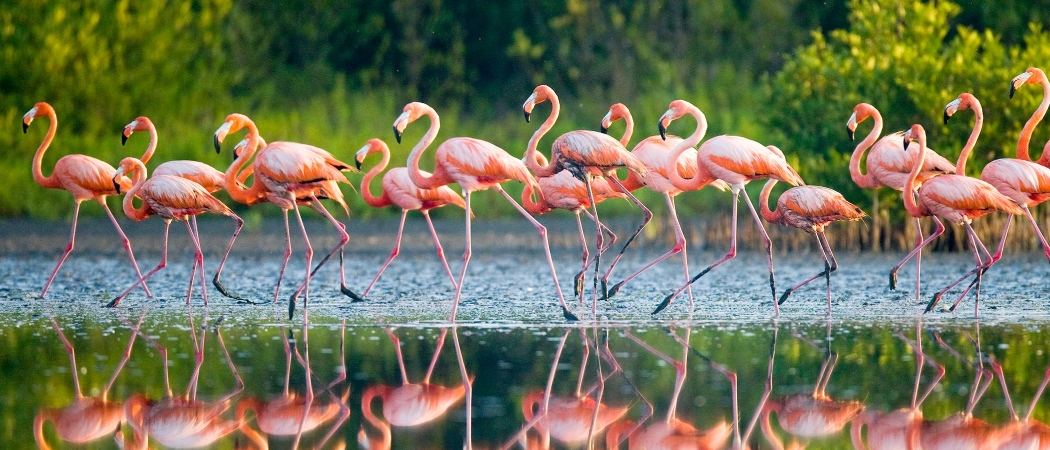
(959, 199)
(284, 416)
(400, 189)
(85, 420)
(207, 176)
(737, 160)
(889, 164)
(476, 164)
(812, 207)
(173, 197)
(414, 404)
(569, 419)
(1024, 182)
(179, 423)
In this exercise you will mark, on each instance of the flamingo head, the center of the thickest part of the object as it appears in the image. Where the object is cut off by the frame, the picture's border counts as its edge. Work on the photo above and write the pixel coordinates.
(141, 123)
(128, 166)
(964, 101)
(616, 112)
(233, 123)
(41, 109)
(861, 112)
(373, 145)
(1033, 75)
(917, 133)
(411, 112)
(677, 109)
(539, 95)
(951, 108)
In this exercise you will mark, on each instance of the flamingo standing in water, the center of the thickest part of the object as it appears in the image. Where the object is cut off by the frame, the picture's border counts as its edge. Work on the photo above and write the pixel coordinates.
(475, 165)
(956, 198)
(810, 209)
(85, 177)
(398, 189)
(196, 171)
(285, 174)
(653, 152)
(889, 165)
(172, 198)
(585, 154)
(734, 160)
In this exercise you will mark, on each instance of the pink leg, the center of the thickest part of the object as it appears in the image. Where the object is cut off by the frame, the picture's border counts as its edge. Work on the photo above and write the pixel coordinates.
(124, 240)
(163, 263)
(727, 257)
(69, 248)
(918, 274)
(937, 297)
(287, 255)
(440, 250)
(215, 281)
(769, 250)
(466, 257)
(1038, 233)
(393, 253)
(305, 288)
(979, 269)
(199, 259)
(72, 357)
(824, 273)
(647, 216)
(679, 246)
(343, 239)
(918, 261)
(608, 243)
(577, 281)
(546, 248)
(598, 244)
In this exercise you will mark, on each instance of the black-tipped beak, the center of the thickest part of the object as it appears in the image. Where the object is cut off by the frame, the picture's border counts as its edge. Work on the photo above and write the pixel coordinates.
(528, 117)
(358, 164)
(25, 126)
(851, 133)
(123, 139)
(603, 129)
(397, 134)
(116, 185)
(906, 144)
(663, 130)
(1012, 89)
(946, 117)
(218, 145)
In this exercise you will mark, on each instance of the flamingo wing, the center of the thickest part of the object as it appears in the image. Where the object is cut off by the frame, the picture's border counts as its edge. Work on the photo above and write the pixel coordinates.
(819, 204)
(957, 197)
(1023, 181)
(476, 164)
(85, 176)
(290, 162)
(166, 192)
(736, 160)
(195, 171)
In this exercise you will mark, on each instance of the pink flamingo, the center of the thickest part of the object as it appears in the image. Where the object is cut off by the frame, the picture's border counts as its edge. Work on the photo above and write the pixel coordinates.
(1025, 432)
(172, 198)
(889, 165)
(810, 209)
(1033, 75)
(87, 418)
(956, 198)
(734, 160)
(285, 172)
(585, 154)
(475, 165)
(398, 189)
(653, 152)
(196, 171)
(84, 177)
(564, 191)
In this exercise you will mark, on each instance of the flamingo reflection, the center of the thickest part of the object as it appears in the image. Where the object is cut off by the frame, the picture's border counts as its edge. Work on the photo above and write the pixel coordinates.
(413, 404)
(87, 418)
(182, 421)
(811, 415)
(292, 414)
(1024, 432)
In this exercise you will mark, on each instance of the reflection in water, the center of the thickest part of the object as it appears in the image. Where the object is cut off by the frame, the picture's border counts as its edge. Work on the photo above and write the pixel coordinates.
(291, 414)
(87, 418)
(182, 421)
(411, 404)
(704, 386)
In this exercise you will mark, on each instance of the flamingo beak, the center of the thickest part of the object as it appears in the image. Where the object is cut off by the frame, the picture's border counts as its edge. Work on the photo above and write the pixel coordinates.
(662, 126)
(116, 179)
(359, 158)
(906, 141)
(27, 119)
(399, 125)
(527, 107)
(606, 122)
(950, 109)
(220, 134)
(128, 130)
(25, 127)
(1017, 82)
(851, 126)
(1012, 90)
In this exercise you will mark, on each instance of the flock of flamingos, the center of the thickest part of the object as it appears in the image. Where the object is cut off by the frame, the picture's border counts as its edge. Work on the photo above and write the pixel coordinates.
(578, 175)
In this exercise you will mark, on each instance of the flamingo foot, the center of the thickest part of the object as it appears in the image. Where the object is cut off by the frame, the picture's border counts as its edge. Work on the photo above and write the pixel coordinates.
(114, 303)
(222, 290)
(354, 298)
(291, 304)
(783, 298)
(933, 302)
(605, 289)
(569, 315)
(577, 283)
(611, 292)
(893, 281)
(663, 304)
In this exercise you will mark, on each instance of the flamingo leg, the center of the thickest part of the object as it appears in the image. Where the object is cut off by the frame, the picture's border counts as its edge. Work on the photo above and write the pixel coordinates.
(195, 234)
(161, 265)
(440, 250)
(918, 259)
(305, 288)
(769, 250)
(833, 267)
(400, 357)
(647, 216)
(468, 384)
(920, 242)
(679, 246)
(215, 281)
(69, 248)
(124, 240)
(609, 244)
(546, 248)
(466, 257)
(978, 270)
(316, 205)
(730, 255)
(577, 281)
(437, 352)
(893, 273)
(824, 273)
(193, 269)
(72, 356)
(1038, 232)
(287, 255)
(597, 244)
(393, 253)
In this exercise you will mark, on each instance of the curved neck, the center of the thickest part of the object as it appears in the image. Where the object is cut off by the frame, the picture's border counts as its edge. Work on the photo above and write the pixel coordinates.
(137, 179)
(767, 430)
(1029, 127)
(910, 204)
(152, 144)
(629, 131)
(672, 159)
(135, 413)
(38, 427)
(866, 181)
(855, 431)
(533, 207)
(539, 169)
(38, 158)
(960, 165)
(422, 181)
(383, 199)
(366, 410)
(763, 200)
(234, 186)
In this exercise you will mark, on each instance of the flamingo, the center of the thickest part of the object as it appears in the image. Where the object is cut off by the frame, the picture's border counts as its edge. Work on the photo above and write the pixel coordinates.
(734, 160)
(196, 171)
(285, 173)
(1033, 75)
(653, 152)
(87, 418)
(84, 177)
(810, 209)
(411, 404)
(888, 165)
(956, 198)
(585, 154)
(172, 198)
(475, 165)
(398, 189)
(291, 414)
(1025, 432)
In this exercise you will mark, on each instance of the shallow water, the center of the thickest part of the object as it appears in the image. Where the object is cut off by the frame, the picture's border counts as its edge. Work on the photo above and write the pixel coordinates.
(509, 336)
